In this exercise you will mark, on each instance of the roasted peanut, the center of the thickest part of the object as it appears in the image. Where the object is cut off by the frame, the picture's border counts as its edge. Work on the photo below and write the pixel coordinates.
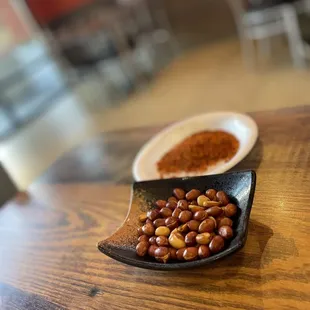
(207, 225)
(204, 238)
(190, 238)
(226, 232)
(159, 222)
(193, 225)
(162, 254)
(202, 200)
(217, 244)
(172, 222)
(222, 198)
(162, 241)
(230, 210)
(183, 205)
(143, 238)
(192, 194)
(148, 229)
(160, 203)
(204, 251)
(166, 212)
(214, 211)
(190, 253)
(179, 193)
(153, 214)
(176, 212)
(162, 231)
(185, 216)
(176, 240)
(143, 217)
(200, 215)
(142, 248)
(211, 194)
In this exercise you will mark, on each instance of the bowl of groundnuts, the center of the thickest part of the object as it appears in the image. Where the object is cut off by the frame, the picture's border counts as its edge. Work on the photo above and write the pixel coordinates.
(184, 222)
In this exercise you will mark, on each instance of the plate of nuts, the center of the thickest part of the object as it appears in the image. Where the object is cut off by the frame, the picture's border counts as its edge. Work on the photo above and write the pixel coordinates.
(184, 222)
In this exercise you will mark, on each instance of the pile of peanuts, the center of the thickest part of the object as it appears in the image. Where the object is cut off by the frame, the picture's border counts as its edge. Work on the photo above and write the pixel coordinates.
(187, 226)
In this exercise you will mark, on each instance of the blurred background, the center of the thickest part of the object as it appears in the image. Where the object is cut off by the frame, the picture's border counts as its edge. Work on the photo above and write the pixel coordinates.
(72, 68)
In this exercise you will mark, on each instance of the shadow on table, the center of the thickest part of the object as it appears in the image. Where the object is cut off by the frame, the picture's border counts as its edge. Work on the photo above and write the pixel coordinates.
(253, 160)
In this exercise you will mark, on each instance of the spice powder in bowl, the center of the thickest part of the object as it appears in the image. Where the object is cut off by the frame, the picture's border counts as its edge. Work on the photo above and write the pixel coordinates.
(198, 152)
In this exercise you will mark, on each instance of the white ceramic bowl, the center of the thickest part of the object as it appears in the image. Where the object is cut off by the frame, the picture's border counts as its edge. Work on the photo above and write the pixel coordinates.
(241, 126)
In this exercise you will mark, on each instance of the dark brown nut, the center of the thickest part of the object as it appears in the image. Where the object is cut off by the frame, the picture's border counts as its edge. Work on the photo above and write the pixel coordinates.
(148, 221)
(185, 216)
(148, 229)
(166, 212)
(192, 194)
(211, 193)
(190, 253)
(142, 248)
(173, 253)
(207, 225)
(140, 231)
(171, 205)
(143, 238)
(172, 222)
(230, 210)
(194, 202)
(176, 240)
(162, 231)
(193, 225)
(152, 240)
(162, 254)
(159, 222)
(143, 217)
(226, 232)
(222, 198)
(214, 211)
(202, 200)
(217, 244)
(200, 215)
(152, 249)
(224, 221)
(176, 212)
(183, 205)
(180, 253)
(179, 193)
(172, 199)
(153, 214)
(204, 238)
(204, 251)
(160, 203)
(162, 241)
(194, 208)
(183, 228)
(190, 238)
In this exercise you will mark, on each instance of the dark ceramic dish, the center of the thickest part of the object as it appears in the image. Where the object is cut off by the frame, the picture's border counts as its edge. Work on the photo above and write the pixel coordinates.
(240, 186)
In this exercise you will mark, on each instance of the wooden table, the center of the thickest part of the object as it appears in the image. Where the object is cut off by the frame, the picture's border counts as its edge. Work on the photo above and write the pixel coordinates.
(49, 258)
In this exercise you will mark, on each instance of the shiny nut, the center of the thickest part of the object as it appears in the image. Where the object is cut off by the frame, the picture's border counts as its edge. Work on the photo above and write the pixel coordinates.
(162, 254)
(152, 249)
(148, 221)
(153, 214)
(140, 231)
(159, 222)
(172, 222)
(217, 244)
(194, 208)
(148, 229)
(143, 217)
(176, 240)
(185, 216)
(226, 232)
(166, 212)
(192, 194)
(200, 215)
(222, 198)
(183, 205)
(173, 253)
(204, 238)
(204, 251)
(171, 205)
(180, 253)
(143, 238)
(190, 238)
(214, 220)
(183, 228)
(172, 199)
(214, 211)
(142, 248)
(152, 240)
(176, 212)
(190, 253)
(202, 200)
(162, 231)
(230, 210)
(193, 225)
(211, 203)
(162, 241)
(160, 203)
(224, 221)
(194, 202)
(179, 193)
(207, 225)
(211, 193)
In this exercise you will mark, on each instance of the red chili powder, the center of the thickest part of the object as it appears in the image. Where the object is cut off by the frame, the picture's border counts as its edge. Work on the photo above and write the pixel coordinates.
(198, 152)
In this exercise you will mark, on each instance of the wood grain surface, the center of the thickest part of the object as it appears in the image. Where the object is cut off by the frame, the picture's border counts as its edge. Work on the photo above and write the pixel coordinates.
(48, 254)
